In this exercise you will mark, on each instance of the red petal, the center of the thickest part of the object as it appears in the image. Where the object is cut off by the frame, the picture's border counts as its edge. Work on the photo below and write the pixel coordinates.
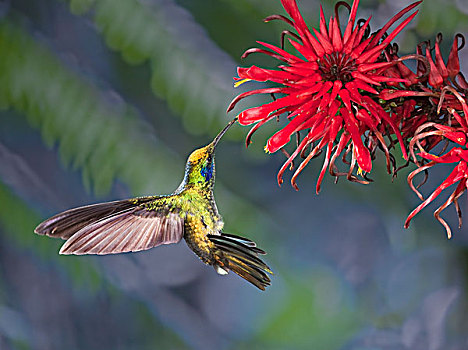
(256, 114)
(254, 128)
(357, 51)
(372, 66)
(406, 73)
(304, 143)
(348, 43)
(461, 120)
(260, 74)
(291, 8)
(336, 37)
(372, 54)
(250, 93)
(344, 94)
(352, 18)
(455, 176)
(323, 25)
(363, 86)
(326, 86)
(302, 72)
(450, 157)
(364, 116)
(283, 136)
(453, 64)
(451, 133)
(307, 52)
(389, 94)
(287, 55)
(435, 79)
(440, 62)
(353, 91)
(324, 41)
(337, 84)
(362, 153)
(365, 78)
(395, 18)
(324, 166)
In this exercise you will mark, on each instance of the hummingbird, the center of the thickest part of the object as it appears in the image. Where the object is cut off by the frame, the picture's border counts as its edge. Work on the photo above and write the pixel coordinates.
(141, 223)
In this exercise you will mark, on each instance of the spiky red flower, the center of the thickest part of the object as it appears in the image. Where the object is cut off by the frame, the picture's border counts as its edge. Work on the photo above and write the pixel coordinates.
(328, 88)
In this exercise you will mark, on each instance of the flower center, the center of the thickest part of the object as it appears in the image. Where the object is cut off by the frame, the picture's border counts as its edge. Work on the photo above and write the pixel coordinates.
(337, 66)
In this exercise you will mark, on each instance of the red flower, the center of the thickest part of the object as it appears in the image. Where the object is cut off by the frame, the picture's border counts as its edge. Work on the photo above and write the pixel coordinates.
(458, 175)
(330, 88)
(432, 108)
(457, 155)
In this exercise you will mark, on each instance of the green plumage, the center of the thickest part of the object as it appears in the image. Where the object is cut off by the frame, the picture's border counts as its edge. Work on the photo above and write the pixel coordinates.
(190, 212)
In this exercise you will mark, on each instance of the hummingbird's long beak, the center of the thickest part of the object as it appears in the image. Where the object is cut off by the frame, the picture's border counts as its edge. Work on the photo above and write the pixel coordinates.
(222, 132)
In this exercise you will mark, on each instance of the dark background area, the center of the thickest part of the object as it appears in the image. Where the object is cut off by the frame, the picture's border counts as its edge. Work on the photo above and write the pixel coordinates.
(104, 99)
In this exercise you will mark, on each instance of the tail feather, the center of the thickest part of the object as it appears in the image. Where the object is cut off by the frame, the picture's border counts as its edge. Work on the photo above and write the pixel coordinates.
(240, 239)
(65, 224)
(238, 244)
(258, 278)
(240, 255)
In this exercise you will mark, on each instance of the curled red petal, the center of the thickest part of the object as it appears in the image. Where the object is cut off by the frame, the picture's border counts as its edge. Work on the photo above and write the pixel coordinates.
(289, 57)
(362, 153)
(283, 136)
(250, 93)
(456, 175)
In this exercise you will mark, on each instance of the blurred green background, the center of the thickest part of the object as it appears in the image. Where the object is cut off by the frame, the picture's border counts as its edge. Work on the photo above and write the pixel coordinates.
(104, 99)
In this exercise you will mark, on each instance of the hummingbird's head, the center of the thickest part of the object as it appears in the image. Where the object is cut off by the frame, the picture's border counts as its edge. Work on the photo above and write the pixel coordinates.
(200, 165)
(200, 169)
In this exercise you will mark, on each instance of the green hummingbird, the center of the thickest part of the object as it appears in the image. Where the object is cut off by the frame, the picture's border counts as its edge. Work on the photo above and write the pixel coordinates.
(190, 212)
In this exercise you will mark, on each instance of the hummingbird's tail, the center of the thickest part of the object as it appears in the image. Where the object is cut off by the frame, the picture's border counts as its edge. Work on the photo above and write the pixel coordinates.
(240, 255)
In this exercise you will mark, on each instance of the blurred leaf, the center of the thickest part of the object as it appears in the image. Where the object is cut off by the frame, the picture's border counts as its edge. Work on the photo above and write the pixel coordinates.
(188, 69)
(316, 314)
(104, 138)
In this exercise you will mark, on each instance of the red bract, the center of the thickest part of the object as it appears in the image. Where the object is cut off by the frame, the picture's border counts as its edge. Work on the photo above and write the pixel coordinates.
(329, 88)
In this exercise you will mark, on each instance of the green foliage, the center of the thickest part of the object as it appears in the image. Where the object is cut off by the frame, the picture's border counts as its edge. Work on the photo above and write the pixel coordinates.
(430, 20)
(189, 71)
(103, 139)
(316, 315)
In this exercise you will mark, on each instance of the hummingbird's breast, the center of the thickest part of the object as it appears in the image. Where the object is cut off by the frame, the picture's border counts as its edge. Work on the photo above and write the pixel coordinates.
(201, 220)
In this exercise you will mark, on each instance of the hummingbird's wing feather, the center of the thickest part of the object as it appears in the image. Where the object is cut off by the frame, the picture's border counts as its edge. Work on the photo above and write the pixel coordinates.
(65, 224)
(129, 231)
(241, 256)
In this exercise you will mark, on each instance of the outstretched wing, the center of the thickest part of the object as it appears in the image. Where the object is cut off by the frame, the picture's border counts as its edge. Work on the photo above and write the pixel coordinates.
(129, 231)
(116, 227)
(67, 223)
